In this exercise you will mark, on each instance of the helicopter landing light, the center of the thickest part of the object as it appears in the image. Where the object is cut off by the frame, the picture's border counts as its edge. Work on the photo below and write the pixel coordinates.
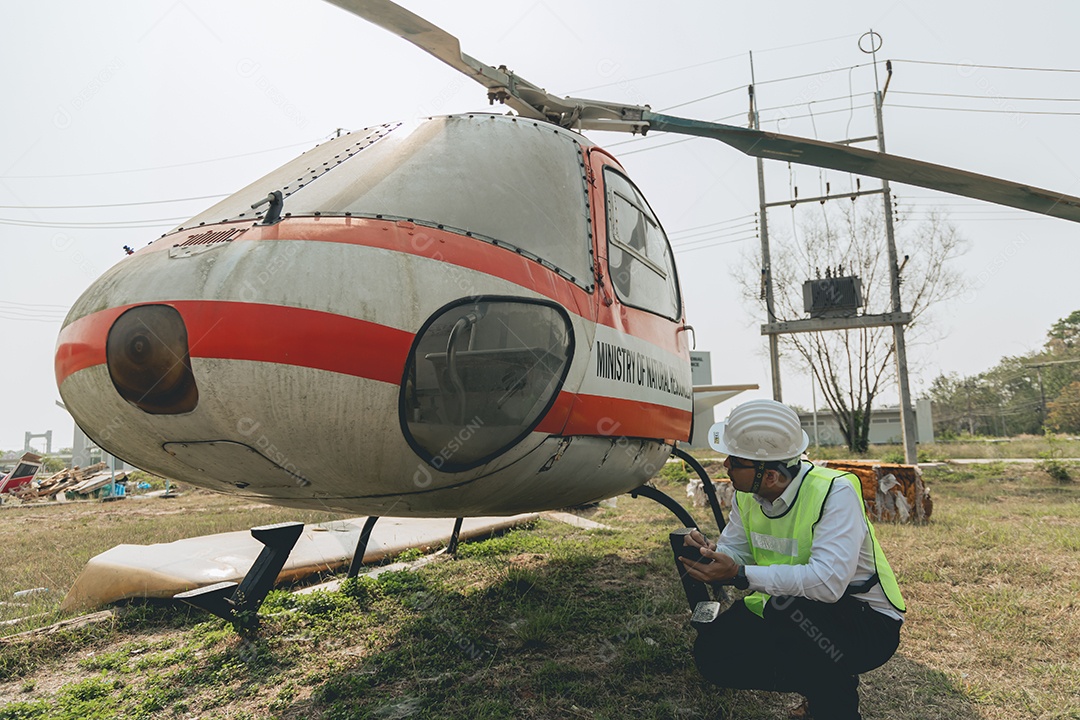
(149, 363)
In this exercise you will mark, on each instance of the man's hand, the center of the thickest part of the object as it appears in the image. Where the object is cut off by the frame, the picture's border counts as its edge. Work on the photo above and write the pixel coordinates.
(695, 539)
(721, 568)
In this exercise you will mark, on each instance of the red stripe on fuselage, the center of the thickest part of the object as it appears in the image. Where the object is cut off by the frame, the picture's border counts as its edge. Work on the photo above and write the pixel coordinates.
(308, 338)
(615, 417)
(82, 343)
(252, 331)
(466, 252)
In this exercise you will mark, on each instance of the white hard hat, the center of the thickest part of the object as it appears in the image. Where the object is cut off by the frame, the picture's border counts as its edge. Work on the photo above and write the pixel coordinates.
(762, 430)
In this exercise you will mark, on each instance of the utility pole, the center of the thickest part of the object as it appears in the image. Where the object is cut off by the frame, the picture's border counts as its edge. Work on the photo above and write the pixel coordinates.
(895, 318)
(766, 261)
(1042, 392)
(1042, 398)
(907, 415)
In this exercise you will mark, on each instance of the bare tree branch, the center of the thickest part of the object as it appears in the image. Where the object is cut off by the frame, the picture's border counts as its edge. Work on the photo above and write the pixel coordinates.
(853, 366)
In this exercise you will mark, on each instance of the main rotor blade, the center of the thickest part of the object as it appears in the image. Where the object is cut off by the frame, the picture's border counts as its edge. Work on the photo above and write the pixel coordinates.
(504, 86)
(876, 164)
(436, 41)
(535, 102)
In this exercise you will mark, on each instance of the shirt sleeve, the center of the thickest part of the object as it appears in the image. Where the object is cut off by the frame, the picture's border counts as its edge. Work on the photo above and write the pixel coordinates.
(733, 542)
(834, 557)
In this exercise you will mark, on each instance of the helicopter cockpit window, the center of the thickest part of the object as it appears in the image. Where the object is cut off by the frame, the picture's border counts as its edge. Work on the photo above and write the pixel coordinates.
(481, 374)
(640, 263)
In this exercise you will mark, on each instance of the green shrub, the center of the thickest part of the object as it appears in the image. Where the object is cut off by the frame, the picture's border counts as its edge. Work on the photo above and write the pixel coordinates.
(893, 457)
(401, 583)
(896, 456)
(1056, 469)
(675, 472)
(361, 589)
(409, 555)
(1051, 462)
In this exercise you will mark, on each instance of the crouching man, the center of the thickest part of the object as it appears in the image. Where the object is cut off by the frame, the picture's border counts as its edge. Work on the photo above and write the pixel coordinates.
(826, 606)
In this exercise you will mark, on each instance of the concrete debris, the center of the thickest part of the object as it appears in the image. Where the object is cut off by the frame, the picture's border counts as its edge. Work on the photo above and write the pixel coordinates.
(893, 493)
(695, 490)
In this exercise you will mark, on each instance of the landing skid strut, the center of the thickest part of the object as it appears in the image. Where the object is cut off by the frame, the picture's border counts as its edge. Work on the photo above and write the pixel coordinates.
(697, 593)
(239, 604)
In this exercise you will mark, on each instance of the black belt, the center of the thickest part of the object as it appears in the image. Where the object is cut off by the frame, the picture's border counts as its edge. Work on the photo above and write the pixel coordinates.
(863, 587)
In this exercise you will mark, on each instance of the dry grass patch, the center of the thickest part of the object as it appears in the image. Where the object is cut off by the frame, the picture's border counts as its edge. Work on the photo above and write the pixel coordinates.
(559, 622)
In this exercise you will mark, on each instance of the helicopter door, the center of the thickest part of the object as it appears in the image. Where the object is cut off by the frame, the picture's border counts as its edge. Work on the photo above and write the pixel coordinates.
(640, 263)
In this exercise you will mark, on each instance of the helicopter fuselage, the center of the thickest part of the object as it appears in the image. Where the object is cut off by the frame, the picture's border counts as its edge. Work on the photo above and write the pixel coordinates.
(469, 315)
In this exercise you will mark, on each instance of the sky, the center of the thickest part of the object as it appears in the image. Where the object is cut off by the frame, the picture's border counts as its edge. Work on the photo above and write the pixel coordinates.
(150, 111)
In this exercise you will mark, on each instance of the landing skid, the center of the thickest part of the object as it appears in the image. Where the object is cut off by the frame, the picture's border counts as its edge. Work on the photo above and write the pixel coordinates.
(239, 604)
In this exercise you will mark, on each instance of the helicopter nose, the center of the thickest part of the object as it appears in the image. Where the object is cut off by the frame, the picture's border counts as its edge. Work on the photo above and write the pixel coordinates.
(149, 362)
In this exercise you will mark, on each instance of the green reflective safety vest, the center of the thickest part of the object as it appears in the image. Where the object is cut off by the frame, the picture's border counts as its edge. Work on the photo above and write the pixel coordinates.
(788, 539)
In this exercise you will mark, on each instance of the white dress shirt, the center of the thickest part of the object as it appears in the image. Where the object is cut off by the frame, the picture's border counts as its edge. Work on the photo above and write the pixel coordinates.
(842, 553)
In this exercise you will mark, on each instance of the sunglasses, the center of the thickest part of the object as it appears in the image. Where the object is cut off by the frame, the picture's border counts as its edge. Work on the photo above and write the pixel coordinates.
(740, 464)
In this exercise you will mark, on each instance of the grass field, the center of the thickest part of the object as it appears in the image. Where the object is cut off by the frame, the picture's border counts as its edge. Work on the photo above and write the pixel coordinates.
(548, 622)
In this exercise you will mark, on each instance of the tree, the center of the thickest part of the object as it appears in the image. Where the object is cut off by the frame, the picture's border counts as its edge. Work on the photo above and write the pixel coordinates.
(1010, 398)
(1003, 400)
(1065, 333)
(852, 367)
(1063, 414)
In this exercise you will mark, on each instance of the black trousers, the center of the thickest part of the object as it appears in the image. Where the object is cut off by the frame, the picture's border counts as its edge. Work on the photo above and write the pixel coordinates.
(813, 648)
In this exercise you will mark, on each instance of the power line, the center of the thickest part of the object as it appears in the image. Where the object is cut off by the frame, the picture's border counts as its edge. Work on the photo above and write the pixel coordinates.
(1015, 218)
(682, 250)
(16, 221)
(24, 319)
(747, 232)
(713, 231)
(700, 99)
(623, 81)
(819, 114)
(807, 103)
(988, 67)
(14, 314)
(734, 236)
(48, 316)
(708, 62)
(109, 205)
(986, 97)
(741, 218)
(984, 110)
(814, 74)
(655, 147)
(32, 306)
(159, 167)
(113, 225)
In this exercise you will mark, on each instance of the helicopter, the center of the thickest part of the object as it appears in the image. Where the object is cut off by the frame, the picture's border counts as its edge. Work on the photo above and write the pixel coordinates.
(474, 314)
